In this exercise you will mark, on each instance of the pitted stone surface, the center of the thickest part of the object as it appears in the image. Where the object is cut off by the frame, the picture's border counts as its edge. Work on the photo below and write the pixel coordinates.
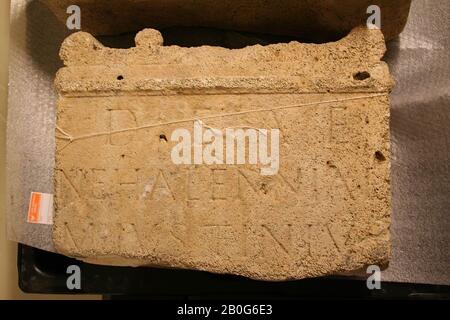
(120, 200)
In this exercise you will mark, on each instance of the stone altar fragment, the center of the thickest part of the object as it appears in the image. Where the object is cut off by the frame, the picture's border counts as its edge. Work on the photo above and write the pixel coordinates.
(120, 199)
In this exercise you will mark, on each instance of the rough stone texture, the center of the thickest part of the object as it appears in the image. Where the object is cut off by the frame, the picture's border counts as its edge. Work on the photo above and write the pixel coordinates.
(120, 200)
(315, 20)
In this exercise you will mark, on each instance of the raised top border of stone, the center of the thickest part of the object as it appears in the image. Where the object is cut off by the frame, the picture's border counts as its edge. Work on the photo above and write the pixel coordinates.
(153, 69)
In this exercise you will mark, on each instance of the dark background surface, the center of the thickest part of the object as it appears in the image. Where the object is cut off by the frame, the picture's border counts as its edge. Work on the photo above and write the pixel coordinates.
(45, 272)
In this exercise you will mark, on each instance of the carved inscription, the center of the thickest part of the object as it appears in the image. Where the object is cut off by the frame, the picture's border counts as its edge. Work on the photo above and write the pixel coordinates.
(270, 162)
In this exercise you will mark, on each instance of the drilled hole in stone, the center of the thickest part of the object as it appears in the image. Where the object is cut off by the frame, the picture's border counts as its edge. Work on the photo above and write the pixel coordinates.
(163, 137)
(362, 75)
(380, 156)
(331, 164)
(120, 78)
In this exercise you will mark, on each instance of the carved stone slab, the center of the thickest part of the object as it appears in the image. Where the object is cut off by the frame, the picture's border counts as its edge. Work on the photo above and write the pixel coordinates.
(121, 200)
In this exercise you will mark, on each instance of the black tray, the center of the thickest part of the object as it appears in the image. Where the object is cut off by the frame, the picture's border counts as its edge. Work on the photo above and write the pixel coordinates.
(44, 272)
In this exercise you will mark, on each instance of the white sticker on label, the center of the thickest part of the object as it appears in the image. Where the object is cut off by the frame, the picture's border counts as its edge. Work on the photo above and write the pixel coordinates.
(40, 209)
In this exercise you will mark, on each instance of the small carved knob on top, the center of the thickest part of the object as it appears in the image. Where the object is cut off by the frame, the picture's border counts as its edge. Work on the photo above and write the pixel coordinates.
(149, 38)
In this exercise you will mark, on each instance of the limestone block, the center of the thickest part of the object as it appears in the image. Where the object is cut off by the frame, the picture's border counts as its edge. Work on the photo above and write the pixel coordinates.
(315, 20)
(121, 200)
